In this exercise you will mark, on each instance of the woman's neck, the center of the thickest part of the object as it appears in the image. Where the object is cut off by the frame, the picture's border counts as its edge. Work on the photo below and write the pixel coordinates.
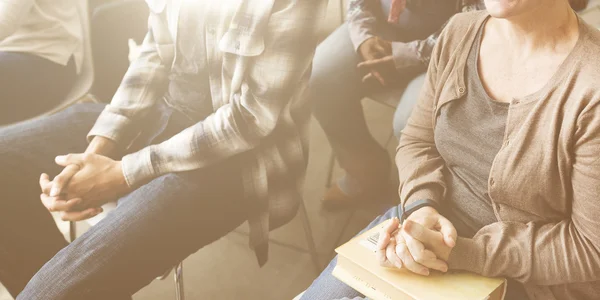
(548, 26)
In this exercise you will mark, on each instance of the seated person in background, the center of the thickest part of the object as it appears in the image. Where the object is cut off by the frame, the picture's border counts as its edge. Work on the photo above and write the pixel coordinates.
(208, 130)
(41, 50)
(504, 144)
(394, 45)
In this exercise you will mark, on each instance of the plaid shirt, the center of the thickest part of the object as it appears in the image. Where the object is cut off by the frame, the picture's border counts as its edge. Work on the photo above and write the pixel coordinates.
(362, 23)
(258, 58)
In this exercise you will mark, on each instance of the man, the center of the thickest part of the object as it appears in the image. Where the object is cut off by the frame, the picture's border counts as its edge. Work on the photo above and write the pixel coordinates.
(390, 42)
(207, 130)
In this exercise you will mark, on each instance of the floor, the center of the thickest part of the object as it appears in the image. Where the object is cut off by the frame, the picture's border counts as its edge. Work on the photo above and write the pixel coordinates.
(227, 269)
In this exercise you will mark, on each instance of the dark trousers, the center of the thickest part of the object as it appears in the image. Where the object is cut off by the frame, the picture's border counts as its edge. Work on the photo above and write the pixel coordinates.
(152, 229)
(31, 85)
(336, 89)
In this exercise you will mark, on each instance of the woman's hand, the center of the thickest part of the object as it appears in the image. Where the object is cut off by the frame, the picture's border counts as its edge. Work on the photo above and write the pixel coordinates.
(433, 240)
(392, 251)
(430, 218)
(398, 248)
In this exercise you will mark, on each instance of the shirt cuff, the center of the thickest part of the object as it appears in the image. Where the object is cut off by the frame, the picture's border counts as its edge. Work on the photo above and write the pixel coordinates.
(405, 55)
(358, 38)
(467, 255)
(138, 168)
(112, 126)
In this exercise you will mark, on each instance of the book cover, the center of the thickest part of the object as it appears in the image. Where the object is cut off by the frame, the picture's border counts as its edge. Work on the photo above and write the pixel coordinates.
(358, 267)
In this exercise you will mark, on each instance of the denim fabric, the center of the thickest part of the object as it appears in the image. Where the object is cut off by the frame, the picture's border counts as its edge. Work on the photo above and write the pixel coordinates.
(153, 228)
(327, 287)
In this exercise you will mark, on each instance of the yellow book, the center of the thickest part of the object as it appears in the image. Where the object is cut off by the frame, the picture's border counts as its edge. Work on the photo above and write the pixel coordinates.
(358, 267)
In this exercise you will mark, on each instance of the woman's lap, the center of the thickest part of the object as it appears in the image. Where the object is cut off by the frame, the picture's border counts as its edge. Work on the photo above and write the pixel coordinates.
(327, 287)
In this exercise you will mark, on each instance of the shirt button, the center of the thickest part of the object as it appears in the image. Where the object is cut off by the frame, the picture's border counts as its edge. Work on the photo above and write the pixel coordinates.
(461, 90)
(516, 102)
(506, 142)
(492, 181)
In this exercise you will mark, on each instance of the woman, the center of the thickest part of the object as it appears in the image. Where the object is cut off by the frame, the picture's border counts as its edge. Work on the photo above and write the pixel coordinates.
(40, 52)
(504, 144)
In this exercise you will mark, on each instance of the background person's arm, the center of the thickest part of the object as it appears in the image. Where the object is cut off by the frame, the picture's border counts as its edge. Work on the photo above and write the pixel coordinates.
(12, 14)
(362, 20)
(268, 85)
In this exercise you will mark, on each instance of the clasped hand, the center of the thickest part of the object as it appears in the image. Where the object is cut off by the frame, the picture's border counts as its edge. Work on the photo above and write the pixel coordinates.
(87, 182)
(422, 243)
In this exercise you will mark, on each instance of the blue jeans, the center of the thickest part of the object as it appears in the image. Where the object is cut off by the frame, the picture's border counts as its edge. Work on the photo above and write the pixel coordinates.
(152, 229)
(327, 287)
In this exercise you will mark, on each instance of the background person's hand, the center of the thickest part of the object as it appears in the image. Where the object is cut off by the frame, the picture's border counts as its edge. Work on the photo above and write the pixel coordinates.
(372, 49)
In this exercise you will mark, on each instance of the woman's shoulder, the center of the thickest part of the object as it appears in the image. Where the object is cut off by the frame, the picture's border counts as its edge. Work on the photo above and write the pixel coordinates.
(589, 54)
(459, 32)
(463, 22)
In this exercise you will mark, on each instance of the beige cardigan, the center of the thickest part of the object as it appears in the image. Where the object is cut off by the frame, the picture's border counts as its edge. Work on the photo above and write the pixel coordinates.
(544, 182)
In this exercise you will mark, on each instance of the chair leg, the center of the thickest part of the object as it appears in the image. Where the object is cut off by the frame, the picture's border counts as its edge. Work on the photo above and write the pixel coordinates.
(330, 167)
(179, 291)
(310, 241)
(72, 231)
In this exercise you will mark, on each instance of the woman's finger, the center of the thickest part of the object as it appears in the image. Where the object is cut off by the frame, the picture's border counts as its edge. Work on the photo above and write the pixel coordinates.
(430, 239)
(423, 256)
(62, 179)
(55, 204)
(408, 261)
(384, 240)
(392, 257)
(447, 229)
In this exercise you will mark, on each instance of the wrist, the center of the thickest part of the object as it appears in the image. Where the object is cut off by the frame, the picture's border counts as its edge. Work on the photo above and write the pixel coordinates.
(418, 205)
(120, 176)
(101, 146)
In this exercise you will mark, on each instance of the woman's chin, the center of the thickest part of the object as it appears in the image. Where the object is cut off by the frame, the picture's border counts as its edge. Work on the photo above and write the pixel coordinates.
(502, 8)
